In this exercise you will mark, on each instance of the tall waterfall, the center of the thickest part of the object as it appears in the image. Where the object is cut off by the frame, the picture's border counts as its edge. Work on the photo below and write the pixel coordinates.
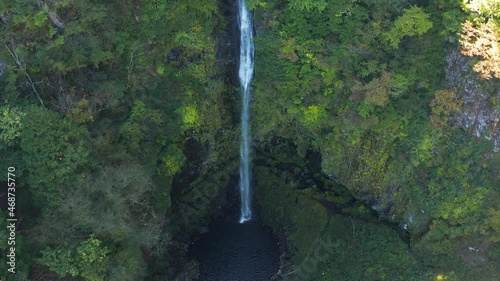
(245, 75)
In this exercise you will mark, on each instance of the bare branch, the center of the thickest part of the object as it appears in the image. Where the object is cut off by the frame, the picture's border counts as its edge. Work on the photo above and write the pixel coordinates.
(22, 67)
(133, 58)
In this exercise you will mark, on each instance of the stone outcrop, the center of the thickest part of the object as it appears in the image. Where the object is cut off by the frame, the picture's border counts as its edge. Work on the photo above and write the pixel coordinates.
(4, 19)
(3, 66)
(480, 113)
(54, 17)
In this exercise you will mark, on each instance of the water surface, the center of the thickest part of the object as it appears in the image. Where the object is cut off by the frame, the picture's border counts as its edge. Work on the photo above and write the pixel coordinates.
(232, 251)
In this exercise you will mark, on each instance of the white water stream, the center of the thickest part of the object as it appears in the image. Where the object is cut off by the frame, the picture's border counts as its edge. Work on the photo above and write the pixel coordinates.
(245, 76)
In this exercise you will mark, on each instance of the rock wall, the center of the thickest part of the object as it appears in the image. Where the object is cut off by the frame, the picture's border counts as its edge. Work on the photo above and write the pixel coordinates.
(480, 113)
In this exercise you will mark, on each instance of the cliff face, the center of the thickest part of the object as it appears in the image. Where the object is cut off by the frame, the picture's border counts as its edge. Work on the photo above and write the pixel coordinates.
(480, 113)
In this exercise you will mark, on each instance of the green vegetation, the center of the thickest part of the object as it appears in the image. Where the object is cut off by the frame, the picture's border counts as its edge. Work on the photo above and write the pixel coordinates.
(100, 103)
(88, 261)
(119, 117)
(362, 82)
(413, 21)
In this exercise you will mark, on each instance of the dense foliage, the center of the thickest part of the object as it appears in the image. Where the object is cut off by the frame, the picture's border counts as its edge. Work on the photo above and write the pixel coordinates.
(363, 82)
(99, 100)
(119, 119)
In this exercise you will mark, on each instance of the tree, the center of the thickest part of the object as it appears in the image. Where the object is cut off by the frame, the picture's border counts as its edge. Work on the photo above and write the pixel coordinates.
(376, 90)
(493, 222)
(54, 152)
(142, 125)
(10, 124)
(444, 106)
(482, 40)
(308, 5)
(87, 260)
(113, 204)
(486, 8)
(413, 22)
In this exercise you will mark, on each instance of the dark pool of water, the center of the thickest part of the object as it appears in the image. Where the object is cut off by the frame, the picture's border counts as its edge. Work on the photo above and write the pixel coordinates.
(231, 251)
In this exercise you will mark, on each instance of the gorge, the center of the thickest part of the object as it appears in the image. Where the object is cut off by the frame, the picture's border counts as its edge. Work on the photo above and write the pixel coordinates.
(364, 146)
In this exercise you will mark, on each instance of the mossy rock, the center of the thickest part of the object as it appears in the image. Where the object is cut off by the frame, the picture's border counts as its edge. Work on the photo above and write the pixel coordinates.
(290, 211)
(353, 249)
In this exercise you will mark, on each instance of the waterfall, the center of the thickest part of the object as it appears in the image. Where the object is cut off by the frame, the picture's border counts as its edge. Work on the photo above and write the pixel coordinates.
(245, 76)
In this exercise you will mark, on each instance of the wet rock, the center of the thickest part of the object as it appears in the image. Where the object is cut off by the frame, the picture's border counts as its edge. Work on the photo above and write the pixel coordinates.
(3, 66)
(4, 19)
(416, 219)
(175, 54)
(203, 230)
